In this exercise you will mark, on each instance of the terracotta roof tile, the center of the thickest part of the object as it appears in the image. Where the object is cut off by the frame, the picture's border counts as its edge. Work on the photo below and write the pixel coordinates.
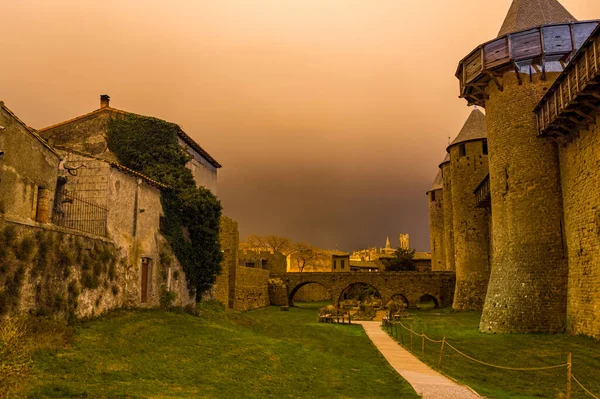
(526, 14)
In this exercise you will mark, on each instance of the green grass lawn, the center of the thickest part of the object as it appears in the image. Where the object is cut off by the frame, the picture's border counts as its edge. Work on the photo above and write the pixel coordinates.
(264, 353)
(513, 350)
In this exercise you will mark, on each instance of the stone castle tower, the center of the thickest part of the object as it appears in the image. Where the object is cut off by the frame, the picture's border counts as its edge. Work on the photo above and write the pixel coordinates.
(436, 224)
(468, 167)
(508, 76)
(447, 206)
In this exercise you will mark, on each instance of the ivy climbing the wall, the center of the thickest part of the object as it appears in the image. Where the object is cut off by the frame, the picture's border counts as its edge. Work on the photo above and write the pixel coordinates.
(150, 146)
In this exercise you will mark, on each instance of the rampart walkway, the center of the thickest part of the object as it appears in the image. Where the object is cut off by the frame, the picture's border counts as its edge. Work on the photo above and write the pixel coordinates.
(426, 381)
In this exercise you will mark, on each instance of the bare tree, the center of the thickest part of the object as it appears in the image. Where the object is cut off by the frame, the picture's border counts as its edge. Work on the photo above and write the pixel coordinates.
(270, 243)
(306, 255)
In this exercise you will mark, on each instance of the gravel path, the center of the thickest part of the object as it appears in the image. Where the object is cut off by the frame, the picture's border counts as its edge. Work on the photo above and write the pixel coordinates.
(427, 382)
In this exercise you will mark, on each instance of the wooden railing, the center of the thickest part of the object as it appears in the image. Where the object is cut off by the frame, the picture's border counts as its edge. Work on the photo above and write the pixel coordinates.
(483, 193)
(574, 99)
(531, 47)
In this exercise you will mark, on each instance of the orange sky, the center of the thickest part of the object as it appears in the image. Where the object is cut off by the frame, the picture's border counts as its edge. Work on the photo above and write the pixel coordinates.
(329, 116)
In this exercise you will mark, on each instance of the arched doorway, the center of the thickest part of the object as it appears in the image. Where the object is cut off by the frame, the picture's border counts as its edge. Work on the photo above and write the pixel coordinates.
(311, 292)
(427, 302)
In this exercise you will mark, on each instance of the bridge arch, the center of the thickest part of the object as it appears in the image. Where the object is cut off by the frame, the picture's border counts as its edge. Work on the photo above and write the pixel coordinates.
(400, 300)
(428, 301)
(295, 289)
(411, 285)
(344, 291)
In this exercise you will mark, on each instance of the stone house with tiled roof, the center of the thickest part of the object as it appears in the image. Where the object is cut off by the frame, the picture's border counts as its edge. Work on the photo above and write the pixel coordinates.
(28, 170)
(69, 208)
(87, 134)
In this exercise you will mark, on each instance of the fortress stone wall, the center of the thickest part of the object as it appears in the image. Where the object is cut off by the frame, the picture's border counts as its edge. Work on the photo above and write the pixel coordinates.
(448, 220)
(251, 289)
(470, 225)
(580, 176)
(539, 208)
(436, 225)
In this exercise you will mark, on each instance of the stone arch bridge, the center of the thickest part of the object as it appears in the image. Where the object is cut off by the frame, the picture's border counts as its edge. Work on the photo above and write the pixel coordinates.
(411, 285)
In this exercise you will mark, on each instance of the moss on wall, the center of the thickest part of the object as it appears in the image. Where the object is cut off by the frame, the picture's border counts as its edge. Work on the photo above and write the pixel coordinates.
(45, 271)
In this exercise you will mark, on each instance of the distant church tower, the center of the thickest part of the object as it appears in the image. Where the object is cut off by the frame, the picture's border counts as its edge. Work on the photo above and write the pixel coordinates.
(404, 241)
(508, 77)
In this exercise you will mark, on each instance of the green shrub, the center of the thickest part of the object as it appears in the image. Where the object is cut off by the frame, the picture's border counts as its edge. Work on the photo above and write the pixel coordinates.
(10, 236)
(26, 249)
(150, 146)
(167, 298)
(14, 360)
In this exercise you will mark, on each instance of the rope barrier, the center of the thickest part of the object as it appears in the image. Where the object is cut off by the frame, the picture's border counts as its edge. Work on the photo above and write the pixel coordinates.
(482, 362)
(505, 367)
(445, 342)
(426, 337)
(584, 388)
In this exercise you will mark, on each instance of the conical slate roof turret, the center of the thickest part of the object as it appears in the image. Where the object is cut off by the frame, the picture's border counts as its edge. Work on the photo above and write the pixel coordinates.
(525, 14)
(438, 183)
(446, 159)
(474, 128)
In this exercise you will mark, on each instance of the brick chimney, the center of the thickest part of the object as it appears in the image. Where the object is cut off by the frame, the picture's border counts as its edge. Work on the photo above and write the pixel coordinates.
(104, 100)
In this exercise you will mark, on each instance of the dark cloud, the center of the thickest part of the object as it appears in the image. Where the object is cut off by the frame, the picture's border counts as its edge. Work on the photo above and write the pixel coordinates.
(329, 117)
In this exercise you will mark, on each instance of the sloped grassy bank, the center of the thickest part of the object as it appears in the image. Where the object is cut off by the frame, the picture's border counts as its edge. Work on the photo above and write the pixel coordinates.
(220, 354)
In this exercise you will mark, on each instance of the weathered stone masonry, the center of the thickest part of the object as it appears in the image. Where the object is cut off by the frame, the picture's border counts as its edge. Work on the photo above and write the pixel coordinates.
(580, 176)
(528, 285)
(411, 285)
(469, 166)
(436, 225)
(543, 200)
(448, 214)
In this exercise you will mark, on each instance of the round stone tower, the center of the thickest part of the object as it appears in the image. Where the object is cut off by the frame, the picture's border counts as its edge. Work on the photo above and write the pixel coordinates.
(447, 206)
(469, 167)
(508, 76)
(436, 224)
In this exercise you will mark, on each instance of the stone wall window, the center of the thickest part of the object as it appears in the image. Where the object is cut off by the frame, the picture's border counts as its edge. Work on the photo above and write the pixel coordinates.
(462, 150)
(334, 264)
(432, 196)
(264, 263)
(484, 147)
(343, 264)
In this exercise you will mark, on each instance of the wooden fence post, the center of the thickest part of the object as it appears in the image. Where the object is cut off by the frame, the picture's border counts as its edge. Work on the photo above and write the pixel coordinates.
(422, 345)
(401, 337)
(569, 375)
(441, 352)
(411, 338)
